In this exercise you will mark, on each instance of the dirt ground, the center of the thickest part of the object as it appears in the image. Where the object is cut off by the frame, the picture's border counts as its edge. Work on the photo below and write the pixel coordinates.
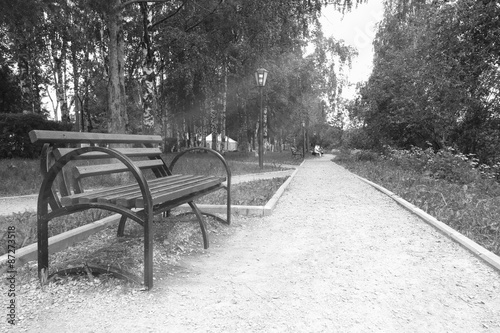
(335, 256)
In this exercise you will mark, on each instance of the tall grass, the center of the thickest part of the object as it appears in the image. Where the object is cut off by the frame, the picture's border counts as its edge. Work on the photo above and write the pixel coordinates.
(447, 185)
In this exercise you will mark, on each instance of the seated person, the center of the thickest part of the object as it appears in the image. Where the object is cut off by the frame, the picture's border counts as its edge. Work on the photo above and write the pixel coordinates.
(317, 151)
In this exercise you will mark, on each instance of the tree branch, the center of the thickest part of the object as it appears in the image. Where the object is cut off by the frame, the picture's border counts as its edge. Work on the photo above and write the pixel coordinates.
(170, 15)
(129, 2)
(206, 16)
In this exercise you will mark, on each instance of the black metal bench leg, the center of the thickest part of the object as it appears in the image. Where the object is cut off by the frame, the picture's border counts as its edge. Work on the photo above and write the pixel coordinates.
(121, 226)
(203, 226)
(43, 250)
(148, 251)
(43, 234)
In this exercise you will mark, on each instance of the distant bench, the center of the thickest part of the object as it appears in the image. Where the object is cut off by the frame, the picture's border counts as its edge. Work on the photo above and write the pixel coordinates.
(296, 152)
(62, 188)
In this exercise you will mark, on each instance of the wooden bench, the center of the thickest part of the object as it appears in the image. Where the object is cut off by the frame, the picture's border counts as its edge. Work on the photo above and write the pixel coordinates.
(296, 152)
(63, 191)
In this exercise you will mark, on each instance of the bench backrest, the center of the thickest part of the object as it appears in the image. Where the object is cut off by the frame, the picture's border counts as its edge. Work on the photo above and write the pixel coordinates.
(90, 138)
(143, 149)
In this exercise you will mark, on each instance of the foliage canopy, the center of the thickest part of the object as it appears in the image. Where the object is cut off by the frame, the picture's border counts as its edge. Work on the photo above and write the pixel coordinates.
(435, 78)
(182, 68)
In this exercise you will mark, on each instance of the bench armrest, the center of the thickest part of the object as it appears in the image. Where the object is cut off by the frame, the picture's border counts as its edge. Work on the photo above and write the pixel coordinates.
(226, 166)
(216, 153)
(56, 168)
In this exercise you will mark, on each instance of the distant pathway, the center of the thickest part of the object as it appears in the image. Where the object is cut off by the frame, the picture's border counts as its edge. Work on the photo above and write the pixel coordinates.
(20, 204)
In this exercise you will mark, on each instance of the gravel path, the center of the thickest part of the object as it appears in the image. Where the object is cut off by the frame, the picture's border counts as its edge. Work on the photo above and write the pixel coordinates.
(17, 204)
(335, 256)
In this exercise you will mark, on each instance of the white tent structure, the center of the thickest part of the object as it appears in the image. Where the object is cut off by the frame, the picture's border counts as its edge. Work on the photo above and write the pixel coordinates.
(231, 145)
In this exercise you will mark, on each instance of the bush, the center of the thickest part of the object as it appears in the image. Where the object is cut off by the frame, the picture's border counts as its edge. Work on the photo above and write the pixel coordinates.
(365, 155)
(455, 168)
(446, 164)
(414, 159)
(357, 138)
(343, 155)
(169, 145)
(14, 129)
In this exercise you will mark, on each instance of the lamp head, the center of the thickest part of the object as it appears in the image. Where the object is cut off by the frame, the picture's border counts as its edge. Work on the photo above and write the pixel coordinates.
(260, 77)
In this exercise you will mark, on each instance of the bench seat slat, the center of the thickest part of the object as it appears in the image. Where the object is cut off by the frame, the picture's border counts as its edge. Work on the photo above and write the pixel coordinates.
(168, 193)
(192, 190)
(105, 169)
(89, 196)
(130, 152)
(130, 196)
(135, 192)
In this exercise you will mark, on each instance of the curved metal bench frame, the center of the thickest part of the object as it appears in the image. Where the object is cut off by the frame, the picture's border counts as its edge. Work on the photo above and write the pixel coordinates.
(228, 182)
(144, 216)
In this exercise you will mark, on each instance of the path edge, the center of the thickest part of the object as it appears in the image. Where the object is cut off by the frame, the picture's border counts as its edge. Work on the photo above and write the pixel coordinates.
(479, 251)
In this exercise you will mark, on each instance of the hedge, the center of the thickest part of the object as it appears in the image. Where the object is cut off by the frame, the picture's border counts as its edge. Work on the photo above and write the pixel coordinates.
(14, 129)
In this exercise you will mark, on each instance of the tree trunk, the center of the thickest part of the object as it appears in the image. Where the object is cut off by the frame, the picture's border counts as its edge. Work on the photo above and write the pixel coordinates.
(148, 75)
(204, 123)
(224, 110)
(117, 107)
(59, 58)
(213, 126)
(264, 121)
(25, 84)
(76, 88)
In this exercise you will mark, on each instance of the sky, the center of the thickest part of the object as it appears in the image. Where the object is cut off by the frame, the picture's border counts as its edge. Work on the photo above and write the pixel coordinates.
(357, 28)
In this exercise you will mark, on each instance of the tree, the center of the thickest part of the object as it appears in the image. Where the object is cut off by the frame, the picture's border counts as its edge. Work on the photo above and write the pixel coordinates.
(434, 72)
(177, 60)
(21, 21)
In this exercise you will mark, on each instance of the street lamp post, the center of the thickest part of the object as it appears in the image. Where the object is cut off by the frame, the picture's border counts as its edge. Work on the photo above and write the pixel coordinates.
(260, 79)
(304, 138)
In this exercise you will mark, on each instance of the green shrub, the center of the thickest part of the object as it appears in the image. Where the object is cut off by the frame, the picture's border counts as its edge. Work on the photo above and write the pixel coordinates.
(357, 138)
(365, 155)
(452, 167)
(19, 176)
(14, 129)
(343, 155)
(445, 164)
(169, 144)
